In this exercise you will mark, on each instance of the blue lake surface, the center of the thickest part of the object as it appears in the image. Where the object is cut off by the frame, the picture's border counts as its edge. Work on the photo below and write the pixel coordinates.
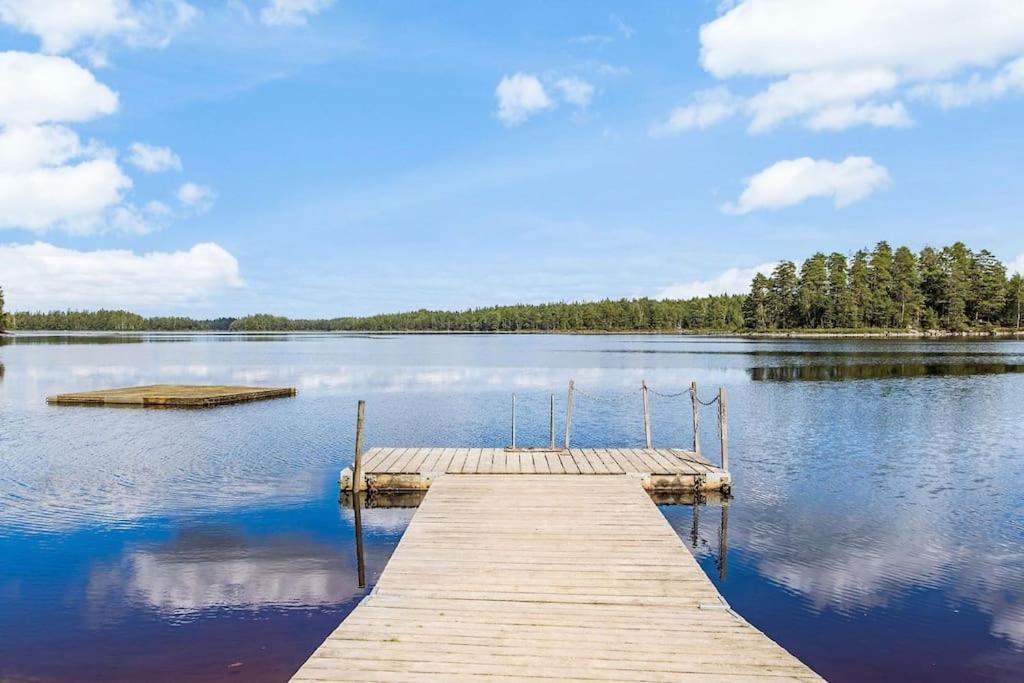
(876, 529)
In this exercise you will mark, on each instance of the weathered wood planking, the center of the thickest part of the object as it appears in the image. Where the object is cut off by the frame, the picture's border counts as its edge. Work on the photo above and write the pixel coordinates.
(403, 469)
(515, 578)
(172, 395)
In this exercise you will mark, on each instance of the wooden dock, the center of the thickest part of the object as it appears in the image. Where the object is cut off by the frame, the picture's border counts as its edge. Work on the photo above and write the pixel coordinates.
(172, 396)
(658, 469)
(505, 577)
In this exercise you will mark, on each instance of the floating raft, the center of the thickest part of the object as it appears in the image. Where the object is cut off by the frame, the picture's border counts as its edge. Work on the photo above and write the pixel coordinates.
(172, 396)
(548, 577)
(658, 469)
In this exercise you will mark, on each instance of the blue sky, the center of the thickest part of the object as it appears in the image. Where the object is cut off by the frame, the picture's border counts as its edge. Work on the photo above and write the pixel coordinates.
(318, 158)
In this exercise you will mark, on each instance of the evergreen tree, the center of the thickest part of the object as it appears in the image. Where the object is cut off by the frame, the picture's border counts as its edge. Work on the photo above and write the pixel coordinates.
(933, 287)
(782, 296)
(812, 293)
(860, 289)
(755, 306)
(3, 316)
(1014, 301)
(958, 268)
(990, 288)
(906, 288)
(839, 303)
(880, 307)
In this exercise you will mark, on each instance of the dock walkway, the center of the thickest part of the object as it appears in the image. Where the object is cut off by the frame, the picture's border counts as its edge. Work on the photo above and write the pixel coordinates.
(545, 577)
(658, 469)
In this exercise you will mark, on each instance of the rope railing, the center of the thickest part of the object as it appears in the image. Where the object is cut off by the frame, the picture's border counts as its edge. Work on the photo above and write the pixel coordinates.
(646, 390)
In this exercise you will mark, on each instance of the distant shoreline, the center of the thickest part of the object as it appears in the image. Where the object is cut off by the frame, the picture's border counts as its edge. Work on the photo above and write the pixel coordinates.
(775, 334)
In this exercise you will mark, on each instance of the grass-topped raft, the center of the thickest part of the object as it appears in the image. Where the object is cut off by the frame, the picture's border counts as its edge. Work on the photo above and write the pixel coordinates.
(172, 395)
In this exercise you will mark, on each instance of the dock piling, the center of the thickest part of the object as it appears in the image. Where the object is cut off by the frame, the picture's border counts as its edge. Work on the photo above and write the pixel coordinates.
(357, 464)
(551, 422)
(647, 413)
(723, 428)
(568, 413)
(696, 417)
(513, 420)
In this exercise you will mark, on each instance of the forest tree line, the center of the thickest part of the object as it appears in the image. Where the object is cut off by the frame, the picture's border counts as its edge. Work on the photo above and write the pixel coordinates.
(952, 289)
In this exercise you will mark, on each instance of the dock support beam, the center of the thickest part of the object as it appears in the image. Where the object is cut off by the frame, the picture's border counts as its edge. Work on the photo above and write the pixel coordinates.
(568, 413)
(723, 428)
(647, 414)
(551, 422)
(513, 420)
(357, 463)
(696, 417)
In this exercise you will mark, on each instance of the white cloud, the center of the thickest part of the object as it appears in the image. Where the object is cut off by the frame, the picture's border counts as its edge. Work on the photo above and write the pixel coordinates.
(790, 182)
(64, 25)
(809, 92)
(519, 97)
(43, 276)
(976, 89)
(1016, 266)
(914, 38)
(49, 179)
(576, 91)
(731, 281)
(39, 88)
(839, 117)
(197, 197)
(708, 108)
(292, 12)
(831, 60)
(153, 159)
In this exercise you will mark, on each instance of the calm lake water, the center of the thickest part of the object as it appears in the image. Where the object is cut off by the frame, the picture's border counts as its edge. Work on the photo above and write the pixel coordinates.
(876, 529)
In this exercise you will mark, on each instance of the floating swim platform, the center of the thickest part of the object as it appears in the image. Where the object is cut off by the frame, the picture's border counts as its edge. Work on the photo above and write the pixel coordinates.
(172, 395)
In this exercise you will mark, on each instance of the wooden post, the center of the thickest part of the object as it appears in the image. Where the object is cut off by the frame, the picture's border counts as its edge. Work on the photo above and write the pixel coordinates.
(568, 413)
(696, 417)
(647, 414)
(723, 543)
(513, 420)
(723, 428)
(357, 518)
(551, 422)
(357, 465)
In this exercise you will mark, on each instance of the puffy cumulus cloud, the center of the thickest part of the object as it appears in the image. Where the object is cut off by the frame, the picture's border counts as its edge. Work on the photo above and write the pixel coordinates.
(38, 88)
(292, 12)
(834, 64)
(520, 96)
(43, 276)
(708, 108)
(199, 198)
(790, 182)
(153, 159)
(916, 39)
(730, 281)
(576, 91)
(64, 25)
(49, 179)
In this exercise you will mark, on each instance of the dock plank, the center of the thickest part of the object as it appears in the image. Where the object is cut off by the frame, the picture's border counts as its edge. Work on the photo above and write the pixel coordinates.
(553, 577)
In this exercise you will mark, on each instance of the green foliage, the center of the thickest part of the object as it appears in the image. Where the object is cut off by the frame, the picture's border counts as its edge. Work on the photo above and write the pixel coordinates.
(952, 288)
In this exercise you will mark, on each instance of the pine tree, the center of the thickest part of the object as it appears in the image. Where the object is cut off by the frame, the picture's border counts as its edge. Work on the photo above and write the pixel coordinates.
(782, 296)
(880, 307)
(812, 293)
(906, 288)
(1014, 301)
(990, 287)
(933, 287)
(755, 306)
(860, 290)
(958, 265)
(839, 303)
